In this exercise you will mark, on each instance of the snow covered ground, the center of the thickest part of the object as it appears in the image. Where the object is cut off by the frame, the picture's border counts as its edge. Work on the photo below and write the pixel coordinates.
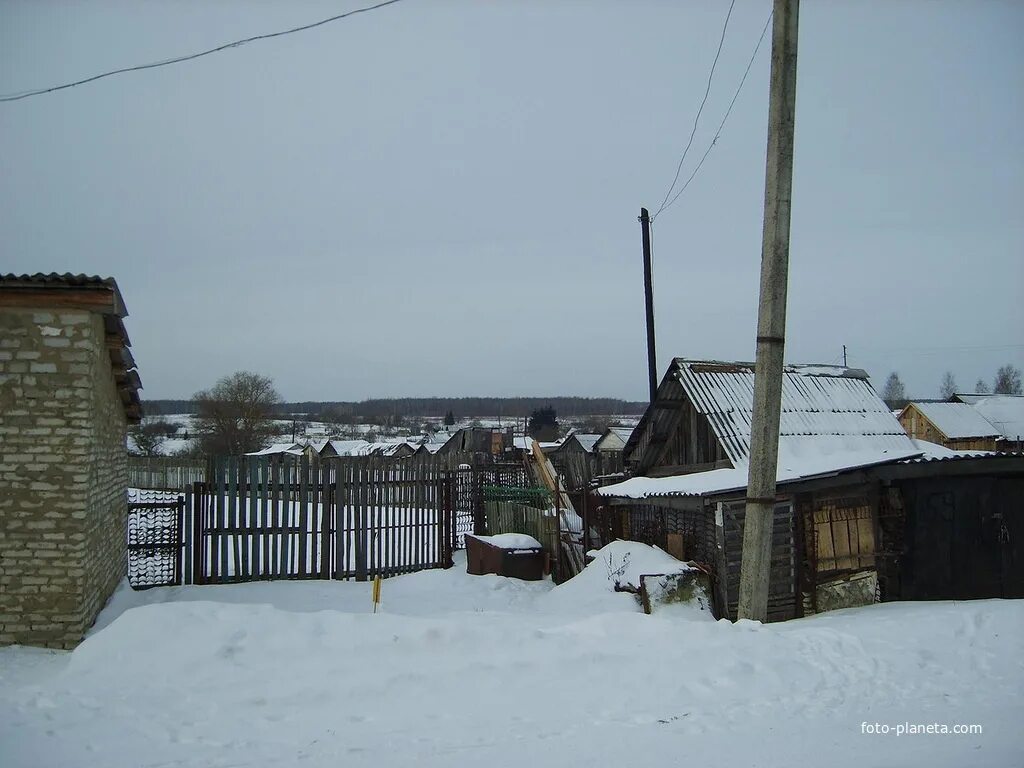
(463, 670)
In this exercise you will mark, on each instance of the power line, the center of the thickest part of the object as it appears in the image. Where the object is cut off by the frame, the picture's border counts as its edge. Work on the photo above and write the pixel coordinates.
(700, 109)
(721, 125)
(189, 57)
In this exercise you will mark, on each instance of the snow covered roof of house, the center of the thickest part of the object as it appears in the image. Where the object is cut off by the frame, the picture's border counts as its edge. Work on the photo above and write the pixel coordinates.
(825, 409)
(345, 447)
(831, 421)
(587, 441)
(790, 469)
(1004, 412)
(956, 420)
(526, 444)
(292, 449)
(622, 432)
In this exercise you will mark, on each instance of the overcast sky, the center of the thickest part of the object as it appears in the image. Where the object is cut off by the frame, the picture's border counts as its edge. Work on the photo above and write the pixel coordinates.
(441, 198)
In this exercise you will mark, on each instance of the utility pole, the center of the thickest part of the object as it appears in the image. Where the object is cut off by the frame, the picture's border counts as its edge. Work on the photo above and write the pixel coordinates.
(652, 362)
(771, 317)
(844, 356)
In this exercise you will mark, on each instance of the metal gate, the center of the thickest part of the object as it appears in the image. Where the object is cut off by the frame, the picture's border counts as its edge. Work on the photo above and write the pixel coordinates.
(155, 528)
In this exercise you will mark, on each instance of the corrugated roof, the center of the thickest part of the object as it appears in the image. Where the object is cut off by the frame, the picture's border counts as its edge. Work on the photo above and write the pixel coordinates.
(956, 420)
(726, 480)
(1004, 412)
(825, 409)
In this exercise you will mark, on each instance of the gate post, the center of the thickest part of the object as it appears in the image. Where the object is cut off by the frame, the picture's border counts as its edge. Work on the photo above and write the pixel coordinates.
(446, 528)
(198, 548)
(479, 512)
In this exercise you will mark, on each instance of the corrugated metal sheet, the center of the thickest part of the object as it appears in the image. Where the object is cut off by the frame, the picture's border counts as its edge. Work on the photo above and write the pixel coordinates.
(825, 409)
(957, 420)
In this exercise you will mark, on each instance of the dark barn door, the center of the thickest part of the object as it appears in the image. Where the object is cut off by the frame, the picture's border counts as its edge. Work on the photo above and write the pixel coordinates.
(961, 541)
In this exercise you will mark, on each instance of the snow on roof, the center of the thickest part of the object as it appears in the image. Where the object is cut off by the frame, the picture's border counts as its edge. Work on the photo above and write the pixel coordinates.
(724, 480)
(936, 452)
(826, 410)
(1004, 412)
(622, 432)
(587, 441)
(956, 420)
(293, 449)
(347, 447)
(526, 444)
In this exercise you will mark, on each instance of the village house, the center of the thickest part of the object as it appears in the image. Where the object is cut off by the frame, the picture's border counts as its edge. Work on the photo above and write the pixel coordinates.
(1004, 412)
(956, 426)
(68, 389)
(863, 511)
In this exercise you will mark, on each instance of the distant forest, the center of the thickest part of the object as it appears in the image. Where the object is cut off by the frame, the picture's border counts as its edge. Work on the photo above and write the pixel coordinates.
(461, 407)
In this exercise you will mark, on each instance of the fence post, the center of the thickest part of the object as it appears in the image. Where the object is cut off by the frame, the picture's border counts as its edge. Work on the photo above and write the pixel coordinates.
(359, 519)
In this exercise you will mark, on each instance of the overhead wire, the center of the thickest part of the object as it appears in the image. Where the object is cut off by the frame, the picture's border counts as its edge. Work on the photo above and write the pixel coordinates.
(721, 125)
(189, 57)
(700, 109)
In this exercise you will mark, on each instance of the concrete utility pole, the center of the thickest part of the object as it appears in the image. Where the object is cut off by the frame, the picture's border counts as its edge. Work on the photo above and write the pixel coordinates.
(771, 318)
(652, 362)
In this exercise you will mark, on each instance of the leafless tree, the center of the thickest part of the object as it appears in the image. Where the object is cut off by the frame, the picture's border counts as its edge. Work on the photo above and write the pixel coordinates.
(980, 387)
(894, 393)
(948, 388)
(235, 416)
(148, 439)
(1007, 381)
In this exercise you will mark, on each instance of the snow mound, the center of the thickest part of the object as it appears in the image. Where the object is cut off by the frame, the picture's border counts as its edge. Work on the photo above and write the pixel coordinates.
(609, 583)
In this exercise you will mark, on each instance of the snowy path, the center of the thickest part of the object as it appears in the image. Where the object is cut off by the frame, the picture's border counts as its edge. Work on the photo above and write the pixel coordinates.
(463, 670)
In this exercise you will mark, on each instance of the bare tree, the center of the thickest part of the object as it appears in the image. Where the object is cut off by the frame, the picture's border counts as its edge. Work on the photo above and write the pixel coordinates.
(980, 387)
(948, 388)
(148, 439)
(894, 393)
(1007, 381)
(235, 416)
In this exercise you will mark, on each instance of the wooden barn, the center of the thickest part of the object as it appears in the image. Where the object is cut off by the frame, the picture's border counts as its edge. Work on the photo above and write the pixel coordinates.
(957, 426)
(1004, 412)
(848, 479)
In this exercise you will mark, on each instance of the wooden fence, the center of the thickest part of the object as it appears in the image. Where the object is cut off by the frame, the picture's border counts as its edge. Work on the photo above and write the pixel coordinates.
(256, 518)
(165, 472)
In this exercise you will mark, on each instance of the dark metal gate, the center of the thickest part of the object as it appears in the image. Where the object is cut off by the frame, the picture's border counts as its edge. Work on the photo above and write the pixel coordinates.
(155, 527)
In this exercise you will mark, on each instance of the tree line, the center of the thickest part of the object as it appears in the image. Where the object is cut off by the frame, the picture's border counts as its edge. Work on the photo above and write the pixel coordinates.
(459, 407)
(1007, 381)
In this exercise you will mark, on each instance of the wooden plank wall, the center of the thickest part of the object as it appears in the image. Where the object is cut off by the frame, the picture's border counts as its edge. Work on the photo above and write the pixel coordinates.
(782, 588)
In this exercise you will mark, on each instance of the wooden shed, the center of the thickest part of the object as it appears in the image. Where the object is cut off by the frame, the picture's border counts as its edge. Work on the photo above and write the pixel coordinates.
(957, 426)
(690, 454)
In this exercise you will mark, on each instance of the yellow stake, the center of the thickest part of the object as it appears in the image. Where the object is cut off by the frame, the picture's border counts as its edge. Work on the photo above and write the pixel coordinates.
(376, 592)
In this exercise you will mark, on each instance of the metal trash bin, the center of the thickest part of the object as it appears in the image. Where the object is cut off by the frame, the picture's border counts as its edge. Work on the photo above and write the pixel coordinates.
(505, 556)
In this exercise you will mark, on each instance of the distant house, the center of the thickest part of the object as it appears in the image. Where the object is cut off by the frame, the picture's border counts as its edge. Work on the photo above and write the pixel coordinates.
(479, 440)
(613, 440)
(957, 426)
(68, 390)
(863, 511)
(394, 449)
(608, 450)
(1004, 412)
(341, 447)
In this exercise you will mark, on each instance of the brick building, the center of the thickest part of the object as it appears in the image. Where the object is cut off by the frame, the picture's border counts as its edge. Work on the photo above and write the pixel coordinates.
(68, 389)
